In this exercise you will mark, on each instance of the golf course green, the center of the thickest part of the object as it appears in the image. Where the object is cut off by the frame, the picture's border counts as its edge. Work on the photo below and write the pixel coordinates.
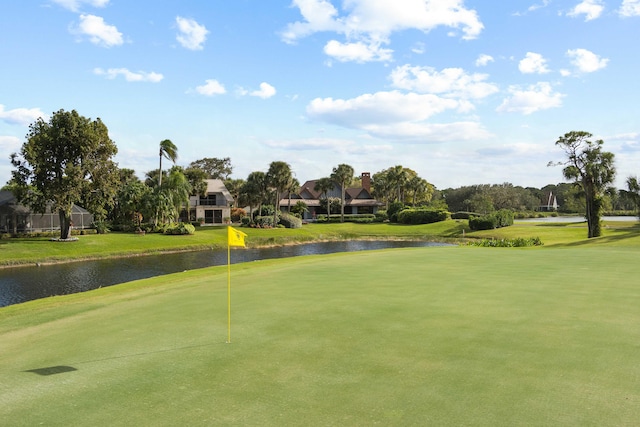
(431, 336)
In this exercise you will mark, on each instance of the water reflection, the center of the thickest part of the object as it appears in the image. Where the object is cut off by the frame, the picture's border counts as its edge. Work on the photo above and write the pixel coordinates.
(28, 283)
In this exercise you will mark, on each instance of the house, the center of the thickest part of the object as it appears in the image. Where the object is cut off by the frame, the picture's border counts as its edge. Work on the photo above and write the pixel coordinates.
(17, 218)
(548, 203)
(214, 206)
(357, 200)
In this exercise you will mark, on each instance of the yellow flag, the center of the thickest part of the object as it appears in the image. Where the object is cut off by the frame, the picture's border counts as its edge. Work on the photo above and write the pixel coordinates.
(235, 237)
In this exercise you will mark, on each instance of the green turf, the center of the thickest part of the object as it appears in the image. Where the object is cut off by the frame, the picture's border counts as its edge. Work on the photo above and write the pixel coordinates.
(424, 336)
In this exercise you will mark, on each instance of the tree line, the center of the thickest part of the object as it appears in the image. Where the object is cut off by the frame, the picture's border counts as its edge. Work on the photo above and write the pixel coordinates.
(69, 160)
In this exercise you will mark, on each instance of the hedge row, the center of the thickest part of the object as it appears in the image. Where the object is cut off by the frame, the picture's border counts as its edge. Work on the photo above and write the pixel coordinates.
(501, 218)
(422, 216)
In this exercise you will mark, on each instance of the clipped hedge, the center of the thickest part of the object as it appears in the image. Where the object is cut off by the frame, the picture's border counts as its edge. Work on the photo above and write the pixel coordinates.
(499, 219)
(422, 216)
(518, 242)
(290, 221)
(180, 228)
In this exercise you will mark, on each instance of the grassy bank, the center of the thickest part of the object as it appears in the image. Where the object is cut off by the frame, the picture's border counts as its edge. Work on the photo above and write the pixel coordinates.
(32, 250)
(422, 336)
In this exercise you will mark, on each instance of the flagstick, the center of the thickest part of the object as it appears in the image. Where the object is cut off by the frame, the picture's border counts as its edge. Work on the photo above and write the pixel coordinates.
(228, 293)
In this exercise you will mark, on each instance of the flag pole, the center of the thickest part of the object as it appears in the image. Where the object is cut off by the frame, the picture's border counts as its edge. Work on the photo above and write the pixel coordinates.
(228, 292)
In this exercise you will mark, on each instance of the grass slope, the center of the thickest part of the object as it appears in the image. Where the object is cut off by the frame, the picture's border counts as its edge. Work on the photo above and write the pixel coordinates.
(422, 336)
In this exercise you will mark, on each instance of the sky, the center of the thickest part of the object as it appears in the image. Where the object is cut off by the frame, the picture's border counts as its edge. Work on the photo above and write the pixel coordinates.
(462, 92)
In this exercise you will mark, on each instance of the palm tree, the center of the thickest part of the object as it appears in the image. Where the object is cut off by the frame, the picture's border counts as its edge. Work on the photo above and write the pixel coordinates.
(294, 186)
(343, 175)
(177, 188)
(279, 178)
(234, 186)
(399, 176)
(255, 191)
(324, 185)
(169, 150)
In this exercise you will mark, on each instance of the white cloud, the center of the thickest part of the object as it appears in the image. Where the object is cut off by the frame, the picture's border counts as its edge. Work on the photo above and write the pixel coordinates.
(265, 91)
(368, 24)
(630, 8)
(130, 76)
(451, 82)
(74, 5)
(357, 52)
(483, 60)
(191, 35)
(533, 63)
(99, 32)
(591, 9)
(9, 144)
(586, 61)
(534, 98)
(21, 116)
(396, 115)
(210, 88)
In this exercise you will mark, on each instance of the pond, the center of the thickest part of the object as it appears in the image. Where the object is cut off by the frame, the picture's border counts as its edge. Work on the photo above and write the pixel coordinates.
(20, 284)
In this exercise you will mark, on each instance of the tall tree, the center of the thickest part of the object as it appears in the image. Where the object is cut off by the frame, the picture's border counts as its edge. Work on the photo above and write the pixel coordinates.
(255, 190)
(342, 175)
(62, 159)
(214, 168)
(592, 169)
(324, 185)
(634, 192)
(168, 150)
(279, 178)
(234, 186)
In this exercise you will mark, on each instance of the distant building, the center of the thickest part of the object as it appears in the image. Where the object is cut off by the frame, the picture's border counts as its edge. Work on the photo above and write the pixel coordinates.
(17, 218)
(358, 200)
(213, 206)
(549, 203)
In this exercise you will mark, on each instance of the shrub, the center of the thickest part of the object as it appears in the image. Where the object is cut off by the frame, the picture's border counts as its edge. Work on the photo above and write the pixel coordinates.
(394, 209)
(501, 218)
(381, 216)
(180, 228)
(102, 227)
(463, 215)
(518, 242)
(237, 214)
(422, 216)
(245, 221)
(289, 221)
(264, 221)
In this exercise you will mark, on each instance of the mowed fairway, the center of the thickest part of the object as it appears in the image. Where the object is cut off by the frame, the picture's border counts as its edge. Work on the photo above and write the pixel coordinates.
(424, 336)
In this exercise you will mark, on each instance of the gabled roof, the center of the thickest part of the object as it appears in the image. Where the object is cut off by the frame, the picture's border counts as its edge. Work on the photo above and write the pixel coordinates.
(216, 186)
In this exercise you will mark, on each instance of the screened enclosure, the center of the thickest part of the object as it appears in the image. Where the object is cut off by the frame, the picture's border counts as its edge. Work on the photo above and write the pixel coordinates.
(16, 218)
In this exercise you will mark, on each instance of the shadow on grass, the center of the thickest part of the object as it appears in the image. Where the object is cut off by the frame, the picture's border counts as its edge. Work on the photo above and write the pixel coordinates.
(52, 370)
(60, 369)
(617, 235)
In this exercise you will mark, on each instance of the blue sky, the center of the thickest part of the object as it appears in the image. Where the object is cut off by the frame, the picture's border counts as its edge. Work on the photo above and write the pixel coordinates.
(462, 92)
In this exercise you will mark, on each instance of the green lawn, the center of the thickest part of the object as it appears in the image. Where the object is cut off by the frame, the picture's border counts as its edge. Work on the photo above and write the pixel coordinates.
(422, 336)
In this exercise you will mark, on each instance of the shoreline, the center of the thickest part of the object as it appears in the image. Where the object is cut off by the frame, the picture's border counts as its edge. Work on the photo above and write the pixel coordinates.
(46, 261)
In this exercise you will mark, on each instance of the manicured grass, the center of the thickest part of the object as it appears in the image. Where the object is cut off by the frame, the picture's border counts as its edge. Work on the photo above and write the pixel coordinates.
(31, 250)
(423, 336)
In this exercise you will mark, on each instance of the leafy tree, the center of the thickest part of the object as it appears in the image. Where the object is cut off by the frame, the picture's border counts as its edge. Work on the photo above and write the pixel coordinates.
(294, 186)
(324, 185)
(235, 188)
(279, 179)
(63, 159)
(197, 179)
(254, 191)
(342, 175)
(214, 168)
(168, 150)
(634, 192)
(591, 168)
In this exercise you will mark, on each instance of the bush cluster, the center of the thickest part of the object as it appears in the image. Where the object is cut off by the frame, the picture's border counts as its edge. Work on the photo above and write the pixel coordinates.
(180, 228)
(237, 214)
(422, 216)
(290, 221)
(518, 242)
(498, 219)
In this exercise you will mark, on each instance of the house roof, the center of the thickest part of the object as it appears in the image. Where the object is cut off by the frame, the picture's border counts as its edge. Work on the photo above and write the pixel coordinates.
(217, 186)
